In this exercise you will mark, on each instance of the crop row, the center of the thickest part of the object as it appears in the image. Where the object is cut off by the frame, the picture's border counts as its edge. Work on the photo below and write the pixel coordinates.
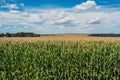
(96, 60)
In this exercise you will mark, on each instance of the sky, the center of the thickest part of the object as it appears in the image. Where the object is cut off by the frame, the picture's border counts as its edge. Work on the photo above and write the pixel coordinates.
(60, 16)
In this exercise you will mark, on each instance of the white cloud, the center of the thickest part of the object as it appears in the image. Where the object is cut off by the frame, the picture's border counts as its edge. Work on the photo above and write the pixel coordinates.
(14, 11)
(63, 19)
(15, 17)
(62, 27)
(95, 21)
(10, 6)
(25, 14)
(60, 14)
(87, 5)
(13, 6)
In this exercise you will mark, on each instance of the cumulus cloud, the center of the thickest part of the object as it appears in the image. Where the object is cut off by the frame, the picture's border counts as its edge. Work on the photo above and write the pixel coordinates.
(17, 12)
(90, 4)
(60, 14)
(95, 21)
(25, 14)
(61, 18)
(62, 27)
(10, 6)
(15, 17)
(14, 11)
(66, 20)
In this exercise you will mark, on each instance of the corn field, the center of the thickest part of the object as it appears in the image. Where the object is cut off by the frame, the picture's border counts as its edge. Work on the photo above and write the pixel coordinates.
(60, 60)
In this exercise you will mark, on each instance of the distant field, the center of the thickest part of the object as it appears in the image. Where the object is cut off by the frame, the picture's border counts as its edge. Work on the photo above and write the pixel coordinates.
(62, 38)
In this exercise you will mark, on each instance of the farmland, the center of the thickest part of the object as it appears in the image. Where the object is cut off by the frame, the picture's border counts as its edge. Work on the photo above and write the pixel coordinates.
(60, 58)
(61, 37)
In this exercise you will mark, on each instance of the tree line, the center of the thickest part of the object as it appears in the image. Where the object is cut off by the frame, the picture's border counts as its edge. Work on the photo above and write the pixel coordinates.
(20, 34)
(105, 35)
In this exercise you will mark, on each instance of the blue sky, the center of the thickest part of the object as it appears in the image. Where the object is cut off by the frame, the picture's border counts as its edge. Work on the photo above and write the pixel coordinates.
(60, 16)
(61, 3)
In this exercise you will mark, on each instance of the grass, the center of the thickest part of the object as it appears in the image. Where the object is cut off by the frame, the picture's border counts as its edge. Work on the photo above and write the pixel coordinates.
(59, 60)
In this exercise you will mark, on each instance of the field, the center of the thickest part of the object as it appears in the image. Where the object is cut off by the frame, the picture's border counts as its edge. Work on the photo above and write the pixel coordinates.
(61, 37)
(66, 57)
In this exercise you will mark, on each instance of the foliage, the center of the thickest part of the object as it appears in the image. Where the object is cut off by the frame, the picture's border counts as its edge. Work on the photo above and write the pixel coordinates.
(96, 60)
(105, 35)
(19, 34)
